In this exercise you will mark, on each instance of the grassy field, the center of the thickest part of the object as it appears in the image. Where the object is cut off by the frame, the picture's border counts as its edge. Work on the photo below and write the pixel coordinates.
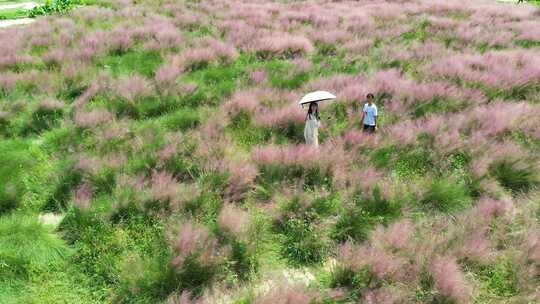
(152, 152)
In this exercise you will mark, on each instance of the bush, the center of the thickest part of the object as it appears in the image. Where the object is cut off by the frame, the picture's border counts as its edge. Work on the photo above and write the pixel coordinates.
(183, 119)
(446, 195)
(303, 243)
(26, 246)
(515, 176)
(16, 162)
(356, 222)
(52, 7)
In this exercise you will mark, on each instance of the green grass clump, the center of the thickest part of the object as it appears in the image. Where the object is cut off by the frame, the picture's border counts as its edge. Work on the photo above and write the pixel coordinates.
(446, 195)
(27, 246)
(132, 62)
(15, 161)
(366, 212)
(500, 279)
(183, 119)
(515, 176)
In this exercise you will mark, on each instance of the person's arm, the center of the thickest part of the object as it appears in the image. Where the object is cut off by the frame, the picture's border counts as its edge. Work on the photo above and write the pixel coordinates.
(375, 116)
(363, 115)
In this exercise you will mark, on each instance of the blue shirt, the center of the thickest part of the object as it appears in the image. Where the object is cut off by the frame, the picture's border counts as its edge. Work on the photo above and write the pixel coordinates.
(370, 112)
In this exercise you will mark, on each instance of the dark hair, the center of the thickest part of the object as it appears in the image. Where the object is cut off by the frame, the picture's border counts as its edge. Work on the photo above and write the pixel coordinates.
(309, 112)
(369, 95)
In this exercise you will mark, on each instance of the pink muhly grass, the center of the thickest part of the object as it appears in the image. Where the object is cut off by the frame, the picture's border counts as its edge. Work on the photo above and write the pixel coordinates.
(55, 57)
(165, 188)
(86, 96)
(385, 295)
(185, 298)
(449, 279)
(498, 117)
(404, 133)
(83, 196)
(533, 245)
(120, 40)
(282, 45)
(241, 180)
(51, 105)
(476, 245)
(488, 208)
(258, 76)
(286, 295)
(233, 219)
(170, 150)
(354, 138)
(358, 47)
(194, 58)
(91, 45)
(330, 37)
(167, 74)
(88, 165)
(281, 117)
(190, 238)
(385, 265)
(9, 80)
(242, 101)
(396, 236)
(93, 118)
(133, 87)
(346, 255)
(301, 155)
(226, 53)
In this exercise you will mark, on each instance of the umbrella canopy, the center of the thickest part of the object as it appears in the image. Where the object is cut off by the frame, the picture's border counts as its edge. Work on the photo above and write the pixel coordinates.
(316, 97)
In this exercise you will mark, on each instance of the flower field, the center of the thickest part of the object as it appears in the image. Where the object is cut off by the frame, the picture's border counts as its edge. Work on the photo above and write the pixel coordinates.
(152, 152)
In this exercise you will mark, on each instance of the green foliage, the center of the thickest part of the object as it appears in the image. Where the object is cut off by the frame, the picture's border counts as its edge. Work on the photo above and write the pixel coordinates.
(244, 133)
(420, 32)
(53, 7)
(15, 161)
(355, 281)
(183, 119)
(436, 106)
(414, 162)
(367, 211)
(26, 246)
(43, 119)
(446, 195)
(303, 243)
(499, 279)
(132, 62)
(515, 175)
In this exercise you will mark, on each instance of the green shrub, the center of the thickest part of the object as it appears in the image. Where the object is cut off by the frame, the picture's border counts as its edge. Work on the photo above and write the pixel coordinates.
(244, 133)
(183, 119)
(353, 280)
(26, 246)
(415, 162)
(446, 195)
(500, 279)
(302, 242)
(357, 221)
(43, 119)
(515, 175)
(133, 62)
(16, 161)
(53, 7)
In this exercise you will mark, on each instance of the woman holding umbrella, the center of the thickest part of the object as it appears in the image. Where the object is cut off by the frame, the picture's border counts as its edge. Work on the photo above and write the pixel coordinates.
(313, 120)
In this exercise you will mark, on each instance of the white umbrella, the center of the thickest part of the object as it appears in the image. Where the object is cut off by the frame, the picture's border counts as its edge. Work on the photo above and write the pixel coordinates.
(316, 97)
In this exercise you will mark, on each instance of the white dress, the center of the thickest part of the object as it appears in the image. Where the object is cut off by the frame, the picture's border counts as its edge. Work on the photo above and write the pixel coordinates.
(311, 130)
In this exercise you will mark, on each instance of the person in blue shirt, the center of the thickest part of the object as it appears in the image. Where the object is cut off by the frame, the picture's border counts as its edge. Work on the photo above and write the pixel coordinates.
(369, 114)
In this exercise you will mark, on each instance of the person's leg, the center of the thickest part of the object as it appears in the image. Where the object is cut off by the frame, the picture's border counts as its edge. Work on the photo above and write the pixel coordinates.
(366, 128)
